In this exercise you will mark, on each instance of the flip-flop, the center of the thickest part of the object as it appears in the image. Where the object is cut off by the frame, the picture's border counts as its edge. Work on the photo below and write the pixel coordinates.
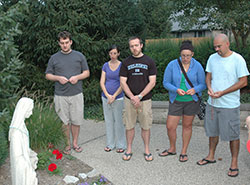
(120, 150)
(168, 153)
(107, 149)
(78, 149)
(127, 155)
(181, 158)
(206, 162)
(67, 151)
(233, 170)
(147, 156)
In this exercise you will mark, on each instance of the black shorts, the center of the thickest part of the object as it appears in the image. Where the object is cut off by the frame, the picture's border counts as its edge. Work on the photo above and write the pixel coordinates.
(189, 108)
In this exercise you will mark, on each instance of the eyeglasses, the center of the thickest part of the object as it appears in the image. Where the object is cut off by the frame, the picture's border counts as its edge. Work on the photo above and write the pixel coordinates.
(186, 56)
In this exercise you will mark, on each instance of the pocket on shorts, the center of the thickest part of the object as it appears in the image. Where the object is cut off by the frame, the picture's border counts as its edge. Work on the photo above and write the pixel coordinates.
(234, 129)
(124, 117)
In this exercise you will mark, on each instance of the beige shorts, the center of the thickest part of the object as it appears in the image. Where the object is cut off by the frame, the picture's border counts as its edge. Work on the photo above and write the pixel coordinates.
(143, 114)
(70, 108)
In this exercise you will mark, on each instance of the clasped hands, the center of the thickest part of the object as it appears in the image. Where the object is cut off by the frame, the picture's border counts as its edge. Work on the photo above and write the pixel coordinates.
(63, 80)
(135, 100)
(111, 99)
(213, 94)
(188, 92)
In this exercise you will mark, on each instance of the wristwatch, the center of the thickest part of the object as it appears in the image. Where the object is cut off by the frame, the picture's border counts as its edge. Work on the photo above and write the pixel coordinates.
(140, 96)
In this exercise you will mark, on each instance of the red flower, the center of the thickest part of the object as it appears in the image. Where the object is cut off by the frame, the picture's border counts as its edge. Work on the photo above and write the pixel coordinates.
(59, 155)
(55, 152)
(52, 167)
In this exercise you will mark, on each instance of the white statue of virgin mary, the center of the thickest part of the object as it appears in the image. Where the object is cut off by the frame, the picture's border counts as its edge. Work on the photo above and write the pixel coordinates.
(23, 160)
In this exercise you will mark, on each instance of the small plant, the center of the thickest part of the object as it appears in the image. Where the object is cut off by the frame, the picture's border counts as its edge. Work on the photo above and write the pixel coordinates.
(53, 169)
(44, 159)
(45, 162)
(102, 180)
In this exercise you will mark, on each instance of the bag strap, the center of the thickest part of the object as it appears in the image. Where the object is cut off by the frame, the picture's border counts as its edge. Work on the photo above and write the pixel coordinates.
(185, 74)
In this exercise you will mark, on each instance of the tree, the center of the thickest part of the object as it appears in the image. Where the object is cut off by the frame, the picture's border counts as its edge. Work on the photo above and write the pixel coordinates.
(156, 15)
(94, 25)
(10, 66)
(230, 15)
(10, 63)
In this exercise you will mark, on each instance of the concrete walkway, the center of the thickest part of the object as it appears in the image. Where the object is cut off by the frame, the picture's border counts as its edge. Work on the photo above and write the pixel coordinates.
(163, 170)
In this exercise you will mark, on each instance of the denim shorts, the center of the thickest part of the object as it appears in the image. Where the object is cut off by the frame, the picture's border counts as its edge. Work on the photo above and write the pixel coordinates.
(189, 108)
(222, 122)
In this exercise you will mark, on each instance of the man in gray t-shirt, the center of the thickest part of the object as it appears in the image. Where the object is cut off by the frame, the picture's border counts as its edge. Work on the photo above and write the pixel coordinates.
(67, 68)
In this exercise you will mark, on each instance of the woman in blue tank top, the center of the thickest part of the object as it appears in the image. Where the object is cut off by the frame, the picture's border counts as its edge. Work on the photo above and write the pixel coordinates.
(112, 101)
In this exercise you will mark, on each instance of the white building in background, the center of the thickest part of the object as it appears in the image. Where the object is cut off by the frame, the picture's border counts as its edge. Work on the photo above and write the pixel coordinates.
(203, 31)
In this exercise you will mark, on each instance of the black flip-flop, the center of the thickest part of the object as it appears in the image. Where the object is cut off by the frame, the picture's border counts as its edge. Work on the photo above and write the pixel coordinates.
(168, 153)
(128, 156)
(233, 170)
(206, 162)
(181, 158)
(147, 156)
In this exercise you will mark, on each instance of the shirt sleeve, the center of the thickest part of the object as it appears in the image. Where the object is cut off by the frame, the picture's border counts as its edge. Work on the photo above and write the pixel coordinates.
(167, 79)
(208, 66)
(84, 63)
(123, 71)
(153, 69)
(104, 67)
(50, 67)
(242, 67)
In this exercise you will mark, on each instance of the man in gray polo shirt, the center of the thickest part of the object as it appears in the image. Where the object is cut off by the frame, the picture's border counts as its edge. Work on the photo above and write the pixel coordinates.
(67, 68)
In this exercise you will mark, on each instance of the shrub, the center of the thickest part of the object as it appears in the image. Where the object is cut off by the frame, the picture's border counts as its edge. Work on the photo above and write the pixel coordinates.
(162, 53)
(45, 127)
(94, 112)
(92, 91)
(3, 146)
(10, 64)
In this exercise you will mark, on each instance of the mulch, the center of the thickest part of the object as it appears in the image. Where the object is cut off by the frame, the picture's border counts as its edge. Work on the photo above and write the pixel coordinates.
(69, 166)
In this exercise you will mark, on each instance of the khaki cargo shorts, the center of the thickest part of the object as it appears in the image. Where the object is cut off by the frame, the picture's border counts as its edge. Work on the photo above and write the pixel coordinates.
(143, 114)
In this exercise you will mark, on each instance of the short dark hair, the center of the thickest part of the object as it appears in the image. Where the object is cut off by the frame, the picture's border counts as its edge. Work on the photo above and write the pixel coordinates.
(64, 35)
(135, 37)
(187, 44)
(114, 47)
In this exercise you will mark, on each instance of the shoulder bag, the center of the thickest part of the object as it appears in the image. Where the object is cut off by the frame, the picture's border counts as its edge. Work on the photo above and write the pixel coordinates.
(201, 114)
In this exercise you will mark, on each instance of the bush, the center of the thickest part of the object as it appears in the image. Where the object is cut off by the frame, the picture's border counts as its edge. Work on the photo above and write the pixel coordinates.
(10, 64)
(92, 91)
(162, 53)
(3, 146)
(45, 127)
(94, 112)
